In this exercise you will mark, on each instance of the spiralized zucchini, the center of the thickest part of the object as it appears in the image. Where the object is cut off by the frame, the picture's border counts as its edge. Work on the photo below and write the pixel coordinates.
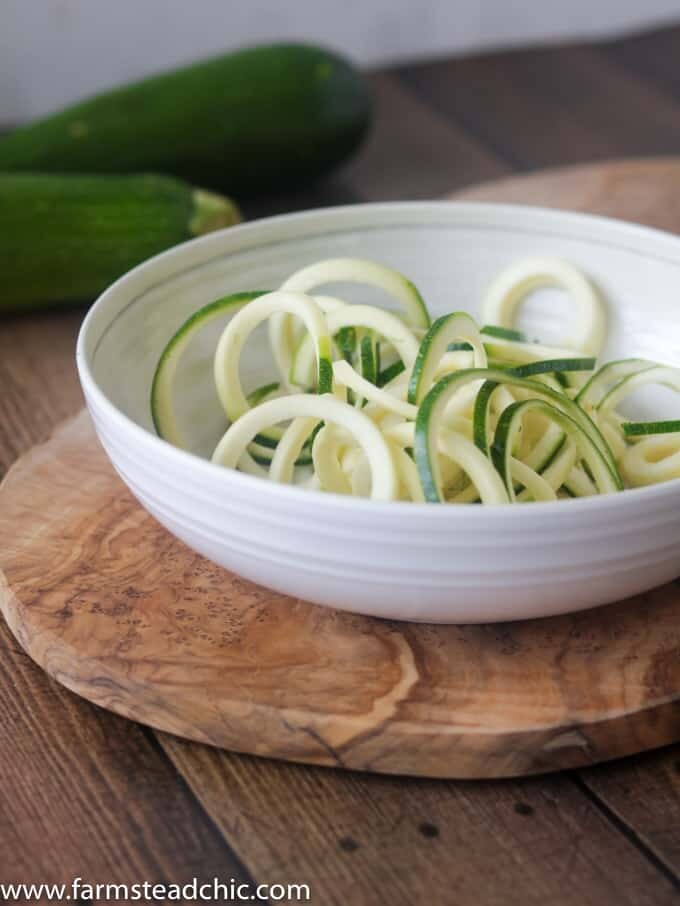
(389, 405)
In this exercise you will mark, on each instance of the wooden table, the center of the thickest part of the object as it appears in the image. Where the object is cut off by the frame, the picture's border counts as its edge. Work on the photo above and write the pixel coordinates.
(85, 793)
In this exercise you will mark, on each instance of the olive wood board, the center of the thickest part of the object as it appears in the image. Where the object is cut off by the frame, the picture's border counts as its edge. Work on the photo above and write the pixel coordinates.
(118, 611)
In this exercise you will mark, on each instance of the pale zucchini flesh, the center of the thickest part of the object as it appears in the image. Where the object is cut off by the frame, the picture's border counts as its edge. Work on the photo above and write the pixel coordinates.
(366, 402)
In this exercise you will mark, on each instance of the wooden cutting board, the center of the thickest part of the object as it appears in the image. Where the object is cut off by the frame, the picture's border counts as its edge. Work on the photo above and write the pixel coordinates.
(118, 611)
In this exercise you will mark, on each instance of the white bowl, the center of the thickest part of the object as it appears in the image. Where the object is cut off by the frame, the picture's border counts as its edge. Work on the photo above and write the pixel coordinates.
(400, 560)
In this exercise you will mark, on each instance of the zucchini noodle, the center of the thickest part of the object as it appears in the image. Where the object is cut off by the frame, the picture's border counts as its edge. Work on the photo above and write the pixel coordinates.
(366, 402)
(513, 285)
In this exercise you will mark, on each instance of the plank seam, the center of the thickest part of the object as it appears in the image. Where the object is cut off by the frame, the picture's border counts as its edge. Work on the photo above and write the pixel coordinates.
(465, 124)
(205, 815)
(615, 56)
(629, 832)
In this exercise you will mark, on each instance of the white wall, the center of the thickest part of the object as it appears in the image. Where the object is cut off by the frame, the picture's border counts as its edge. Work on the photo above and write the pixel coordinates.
(55, 51)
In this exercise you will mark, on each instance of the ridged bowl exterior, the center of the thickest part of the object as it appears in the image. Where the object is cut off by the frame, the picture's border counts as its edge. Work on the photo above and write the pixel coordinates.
(405, 561)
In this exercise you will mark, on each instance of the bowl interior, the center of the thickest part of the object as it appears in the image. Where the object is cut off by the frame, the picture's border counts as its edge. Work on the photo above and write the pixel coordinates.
(450, 251)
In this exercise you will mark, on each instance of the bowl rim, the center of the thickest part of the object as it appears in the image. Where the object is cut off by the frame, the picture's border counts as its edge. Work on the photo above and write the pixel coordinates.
(249, 484)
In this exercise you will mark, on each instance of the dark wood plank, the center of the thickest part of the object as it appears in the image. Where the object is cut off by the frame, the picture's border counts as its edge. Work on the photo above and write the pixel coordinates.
(84, 793)
(350, 826)
(652, 56)
(556, 105)
(644, 794)
(38, 380)
(413, 152)
(329, 828)
(376, 840)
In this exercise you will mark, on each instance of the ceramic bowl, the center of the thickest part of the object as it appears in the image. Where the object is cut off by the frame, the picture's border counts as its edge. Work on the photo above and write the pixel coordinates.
(399, 560)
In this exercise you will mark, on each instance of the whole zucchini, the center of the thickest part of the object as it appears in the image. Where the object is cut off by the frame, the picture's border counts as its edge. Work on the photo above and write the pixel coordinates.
(65, 238)
(262, 118)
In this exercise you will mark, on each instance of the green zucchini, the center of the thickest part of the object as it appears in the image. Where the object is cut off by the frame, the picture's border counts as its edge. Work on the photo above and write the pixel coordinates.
(390, 372)
(554, 366)
(66, 238)
(266, 117)
(433, 405)
(510, 423)
(504, 333)
(455, 326)
(162, 409)
(643, 429)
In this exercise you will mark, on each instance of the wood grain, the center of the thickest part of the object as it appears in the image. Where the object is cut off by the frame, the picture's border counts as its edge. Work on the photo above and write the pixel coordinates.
(639, 794)
(644, 191)
(651, 57)
(117, 610)
(338, 826)
(412, 152)
(642, 794)
(99, 799)
(552, 106)
(83, 792)
(38, 382)
(369, 840)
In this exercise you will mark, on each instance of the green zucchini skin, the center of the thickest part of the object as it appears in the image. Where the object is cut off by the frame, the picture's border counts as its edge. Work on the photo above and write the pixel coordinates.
(261, 118)
(66, 238)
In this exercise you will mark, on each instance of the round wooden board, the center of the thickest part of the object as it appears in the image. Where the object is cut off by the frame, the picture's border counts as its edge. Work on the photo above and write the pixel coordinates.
(118, 611)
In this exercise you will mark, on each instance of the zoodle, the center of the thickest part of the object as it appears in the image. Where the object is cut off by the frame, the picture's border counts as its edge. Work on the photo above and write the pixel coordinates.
(389, 405)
